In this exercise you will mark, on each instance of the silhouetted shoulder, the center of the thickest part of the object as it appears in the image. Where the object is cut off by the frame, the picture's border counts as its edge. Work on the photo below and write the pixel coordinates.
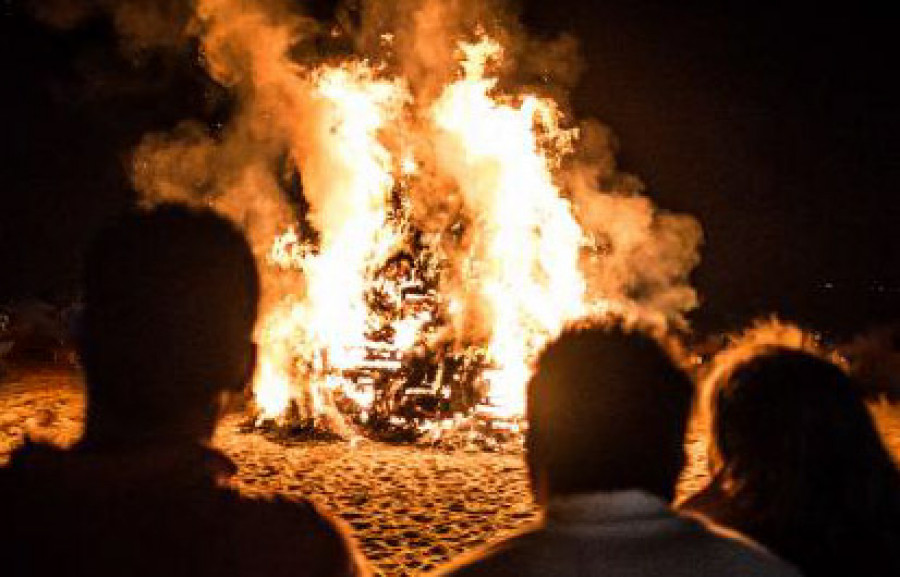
(739, 554)
(281, 535)
(500, 559)
(676, 547)
(63, 509)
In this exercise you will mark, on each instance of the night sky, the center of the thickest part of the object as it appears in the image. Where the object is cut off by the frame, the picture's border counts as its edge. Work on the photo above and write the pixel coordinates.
(777, 128)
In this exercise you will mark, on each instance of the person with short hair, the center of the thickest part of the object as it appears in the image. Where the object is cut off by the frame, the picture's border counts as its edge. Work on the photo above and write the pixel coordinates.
(171, 297)
(798, 464)
(607, 411)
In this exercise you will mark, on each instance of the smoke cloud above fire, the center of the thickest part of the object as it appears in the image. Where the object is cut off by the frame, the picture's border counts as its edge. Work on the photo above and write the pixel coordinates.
(442, 117)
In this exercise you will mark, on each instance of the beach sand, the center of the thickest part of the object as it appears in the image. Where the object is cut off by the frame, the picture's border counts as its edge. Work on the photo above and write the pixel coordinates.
(410, 508)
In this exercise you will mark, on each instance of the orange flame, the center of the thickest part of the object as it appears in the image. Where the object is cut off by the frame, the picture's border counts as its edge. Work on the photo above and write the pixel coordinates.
(501, 151)
(530, 275)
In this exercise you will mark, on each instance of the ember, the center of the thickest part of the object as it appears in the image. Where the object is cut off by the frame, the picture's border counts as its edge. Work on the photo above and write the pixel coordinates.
(441, 218)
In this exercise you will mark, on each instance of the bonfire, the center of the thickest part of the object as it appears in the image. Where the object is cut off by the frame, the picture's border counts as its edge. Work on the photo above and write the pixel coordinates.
(427, 212)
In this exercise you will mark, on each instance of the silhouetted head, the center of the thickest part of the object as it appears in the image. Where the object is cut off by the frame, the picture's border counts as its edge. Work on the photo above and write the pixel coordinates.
(795, 444)
(171, 298)
(607, 411)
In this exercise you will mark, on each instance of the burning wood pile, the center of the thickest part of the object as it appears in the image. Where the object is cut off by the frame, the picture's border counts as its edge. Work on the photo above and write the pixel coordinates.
(443, 218)
(406, 380)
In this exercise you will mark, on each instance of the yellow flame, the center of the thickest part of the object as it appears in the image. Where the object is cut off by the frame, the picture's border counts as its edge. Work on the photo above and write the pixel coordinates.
(530, 274)
(501, 150)
(333, 316)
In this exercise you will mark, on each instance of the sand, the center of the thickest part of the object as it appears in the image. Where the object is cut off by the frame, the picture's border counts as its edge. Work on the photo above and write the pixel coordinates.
(410, 508)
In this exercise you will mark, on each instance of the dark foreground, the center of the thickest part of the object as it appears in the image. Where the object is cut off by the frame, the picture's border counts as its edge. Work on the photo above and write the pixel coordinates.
(410, 508)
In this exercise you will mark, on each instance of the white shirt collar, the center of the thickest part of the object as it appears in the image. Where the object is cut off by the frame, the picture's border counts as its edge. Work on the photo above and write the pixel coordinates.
(606, 507)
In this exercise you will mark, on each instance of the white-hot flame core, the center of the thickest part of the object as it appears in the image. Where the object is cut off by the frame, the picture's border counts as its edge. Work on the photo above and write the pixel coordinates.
(332, 319)
(358, 106)
(529, 274)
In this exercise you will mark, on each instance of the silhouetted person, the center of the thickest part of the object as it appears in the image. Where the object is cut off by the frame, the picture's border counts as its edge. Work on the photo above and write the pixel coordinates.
(171, 299)
(607, 411)
(800, 467)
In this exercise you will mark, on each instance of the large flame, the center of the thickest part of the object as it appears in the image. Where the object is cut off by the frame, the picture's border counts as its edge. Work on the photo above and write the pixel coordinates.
(327, 327)
(503, 156)
(501, 151)
(444, 208)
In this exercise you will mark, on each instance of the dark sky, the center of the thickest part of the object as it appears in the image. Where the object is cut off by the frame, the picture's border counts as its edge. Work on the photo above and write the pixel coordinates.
(777, 128)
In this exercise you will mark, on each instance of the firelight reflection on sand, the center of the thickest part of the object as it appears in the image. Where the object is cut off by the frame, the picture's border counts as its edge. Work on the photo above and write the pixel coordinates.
(500, 151)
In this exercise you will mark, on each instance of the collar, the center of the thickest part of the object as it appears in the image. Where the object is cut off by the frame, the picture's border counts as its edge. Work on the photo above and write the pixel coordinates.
(607, 507)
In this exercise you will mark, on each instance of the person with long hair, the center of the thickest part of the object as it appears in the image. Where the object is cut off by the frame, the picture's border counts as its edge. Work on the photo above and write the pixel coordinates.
(607, 412)
(798, 465)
